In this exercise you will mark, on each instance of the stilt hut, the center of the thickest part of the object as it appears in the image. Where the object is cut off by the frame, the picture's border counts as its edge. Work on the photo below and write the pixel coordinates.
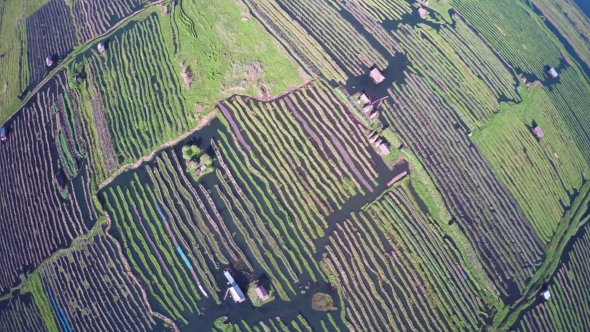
(101, 47)
(48, 62)
(552, 73)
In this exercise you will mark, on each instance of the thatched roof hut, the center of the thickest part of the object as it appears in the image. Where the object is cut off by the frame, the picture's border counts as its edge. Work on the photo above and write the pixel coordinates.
(101, 48)
(376, 76)
(48, 62)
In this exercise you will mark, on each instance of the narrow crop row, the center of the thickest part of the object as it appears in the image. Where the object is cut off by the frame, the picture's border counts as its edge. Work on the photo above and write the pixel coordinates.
(87, 288)
(308, 147)
(340, 37)
(397, 274)
(94, 17)
(103, 157)
(567, 309)
(36, 219)
(147, 110)
(50, 33)
(486, 212)
(541, 174)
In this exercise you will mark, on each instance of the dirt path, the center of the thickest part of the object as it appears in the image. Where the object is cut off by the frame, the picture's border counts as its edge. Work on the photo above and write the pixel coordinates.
(204, 121)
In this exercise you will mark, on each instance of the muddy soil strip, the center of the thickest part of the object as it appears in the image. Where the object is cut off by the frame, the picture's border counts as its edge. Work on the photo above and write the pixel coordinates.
(350, 163)
(234, 126)
(305, 125)
(152, 242)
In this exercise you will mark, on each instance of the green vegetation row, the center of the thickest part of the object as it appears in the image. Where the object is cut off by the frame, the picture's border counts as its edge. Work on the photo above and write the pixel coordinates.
(541, 174)
(147, 109)
(34, 213)
(337, 34)
(397, 274)
(567, 308)
(487, 213)
(292, 148)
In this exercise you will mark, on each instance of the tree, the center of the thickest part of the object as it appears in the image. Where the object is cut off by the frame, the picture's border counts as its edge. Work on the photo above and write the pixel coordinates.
(206, 159)
(190, 152)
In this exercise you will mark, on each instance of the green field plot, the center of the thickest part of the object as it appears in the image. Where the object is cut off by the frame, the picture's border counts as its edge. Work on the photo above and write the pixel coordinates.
(476, 199)
(309, 51)
(50, 33)
(106, 14)
(460, 68)
(83, 287)
(570, 21)
(22, 314)
(541, 174)
(14, 77)
(87, 286)
(514, 31)
(571, 97)
(35, 214)
(222, 51)
(148, 108)
(203, 222)
(396, 273)
(308, 147)
(344, 42)
(567, 309)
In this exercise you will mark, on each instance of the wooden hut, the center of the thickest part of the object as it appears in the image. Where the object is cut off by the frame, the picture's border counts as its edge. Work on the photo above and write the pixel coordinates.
(261, 291)
(538, 132)
(545, 294)
(552, 73)
(48, 62)
(101, 47)
(376, 76)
